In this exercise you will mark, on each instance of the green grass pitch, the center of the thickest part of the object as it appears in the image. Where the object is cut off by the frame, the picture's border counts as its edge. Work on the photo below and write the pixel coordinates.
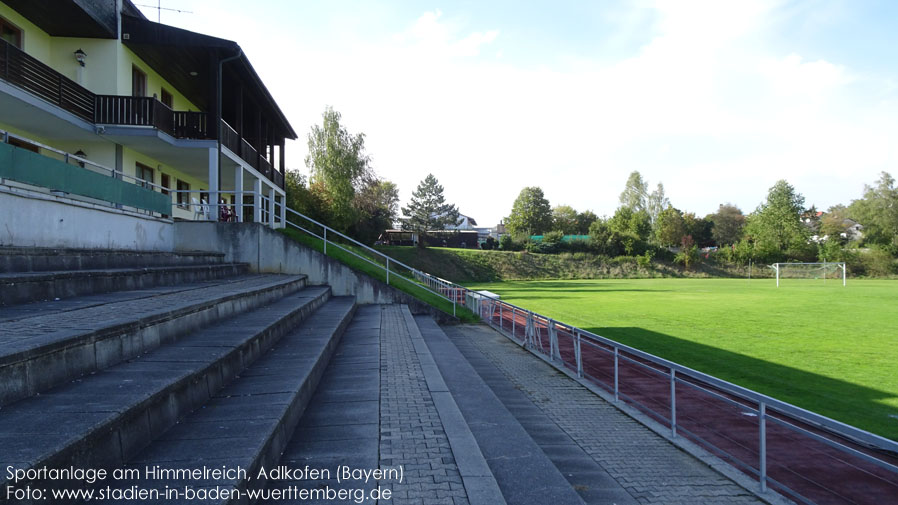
(827, 348)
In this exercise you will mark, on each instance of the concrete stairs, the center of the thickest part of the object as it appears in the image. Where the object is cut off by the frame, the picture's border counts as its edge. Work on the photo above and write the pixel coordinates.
(37, 274)
(158, 374)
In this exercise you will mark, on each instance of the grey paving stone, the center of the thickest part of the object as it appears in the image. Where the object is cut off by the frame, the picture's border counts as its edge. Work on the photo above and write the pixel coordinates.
(648, 467)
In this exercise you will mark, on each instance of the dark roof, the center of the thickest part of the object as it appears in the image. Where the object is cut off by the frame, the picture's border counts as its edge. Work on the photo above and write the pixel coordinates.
(70, 18)
(176, 53)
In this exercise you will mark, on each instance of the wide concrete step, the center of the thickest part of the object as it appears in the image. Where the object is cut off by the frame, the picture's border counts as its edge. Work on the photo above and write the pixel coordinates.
(39, 259)
(27, 287)
(340, 426)
(107, 418)
(533, 460)
(247, 423)
(40, 352)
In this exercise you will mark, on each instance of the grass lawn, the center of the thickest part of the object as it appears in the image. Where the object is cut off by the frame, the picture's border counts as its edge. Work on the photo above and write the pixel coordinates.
(829, 349)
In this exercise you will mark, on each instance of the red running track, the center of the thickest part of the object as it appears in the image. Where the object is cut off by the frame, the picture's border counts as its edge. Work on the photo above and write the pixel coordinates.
(723, 424)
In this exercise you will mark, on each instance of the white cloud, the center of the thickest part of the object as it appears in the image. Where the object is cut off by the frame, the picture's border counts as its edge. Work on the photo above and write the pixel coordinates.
(706, 105)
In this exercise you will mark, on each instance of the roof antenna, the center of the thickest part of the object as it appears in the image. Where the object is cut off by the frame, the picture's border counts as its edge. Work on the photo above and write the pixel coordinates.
(159, 8)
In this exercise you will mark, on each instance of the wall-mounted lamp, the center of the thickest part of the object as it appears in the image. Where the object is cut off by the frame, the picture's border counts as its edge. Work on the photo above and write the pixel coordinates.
(81, 154)
(80, 56)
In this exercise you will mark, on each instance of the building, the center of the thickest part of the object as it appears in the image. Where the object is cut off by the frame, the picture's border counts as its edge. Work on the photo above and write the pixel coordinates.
(99, 87)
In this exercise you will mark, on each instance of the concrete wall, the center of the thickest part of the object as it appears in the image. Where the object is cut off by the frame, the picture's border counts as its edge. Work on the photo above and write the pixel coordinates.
(272, 252)
(34, 219)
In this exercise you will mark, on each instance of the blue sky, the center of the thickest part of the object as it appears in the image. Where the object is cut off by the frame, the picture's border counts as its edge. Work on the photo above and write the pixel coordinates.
(715, 99)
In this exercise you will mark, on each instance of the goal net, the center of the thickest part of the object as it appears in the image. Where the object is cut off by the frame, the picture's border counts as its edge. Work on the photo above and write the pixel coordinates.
(827, 271)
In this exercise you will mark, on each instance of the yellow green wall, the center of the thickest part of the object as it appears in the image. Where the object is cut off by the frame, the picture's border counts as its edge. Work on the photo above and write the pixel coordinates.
(126, 58)
(35, 41)
(107, 69)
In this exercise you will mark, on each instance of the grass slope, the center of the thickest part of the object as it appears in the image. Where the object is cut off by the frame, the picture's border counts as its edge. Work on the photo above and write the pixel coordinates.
(469, 265)
(376, 271)
(826, 348)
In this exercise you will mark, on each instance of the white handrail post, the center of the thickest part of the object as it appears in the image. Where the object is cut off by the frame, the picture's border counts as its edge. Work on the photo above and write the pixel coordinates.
(579, 357)
(388, 271)
(762, 452)
(501, 320)
(673, 403)
(553, 341)
(325, 241)
(616, 376)
(513, 323)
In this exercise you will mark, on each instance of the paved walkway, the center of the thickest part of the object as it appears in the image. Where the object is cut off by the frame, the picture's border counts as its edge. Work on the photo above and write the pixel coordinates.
(651, 469)
(412, 434)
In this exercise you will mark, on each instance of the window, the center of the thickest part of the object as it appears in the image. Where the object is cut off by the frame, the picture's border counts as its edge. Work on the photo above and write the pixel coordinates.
(165, 183)
(146, 173)
(183, 195)
(10, 33)
(166, 98)
(138, 82)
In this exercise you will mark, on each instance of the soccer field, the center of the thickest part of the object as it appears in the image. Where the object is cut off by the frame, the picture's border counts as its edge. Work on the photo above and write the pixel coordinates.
(823, 347)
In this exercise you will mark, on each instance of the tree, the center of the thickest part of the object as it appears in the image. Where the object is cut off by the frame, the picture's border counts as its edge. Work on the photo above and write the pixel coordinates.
(877, 211)
(635, 193)
(339, 166)
(633, 229)
(530, 214)
(377, 207)
(564, 219)
(775, 226)
(428, 210)
(832, 224)
(656, 202)
(699, 228)
(669, 227)
(727, 224)
(584, 220)
(301, 197)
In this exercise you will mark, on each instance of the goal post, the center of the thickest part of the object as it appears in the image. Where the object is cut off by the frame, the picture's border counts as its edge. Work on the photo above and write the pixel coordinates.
(834, 269)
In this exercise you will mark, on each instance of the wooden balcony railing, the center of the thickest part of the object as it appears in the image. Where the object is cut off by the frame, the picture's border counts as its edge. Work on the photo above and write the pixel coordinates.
(28, 73)
(148, 111)
(239, 146)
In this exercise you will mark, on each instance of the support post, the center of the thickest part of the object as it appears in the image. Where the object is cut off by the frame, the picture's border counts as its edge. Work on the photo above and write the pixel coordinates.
(579, 357)
(325, 241)
(762, 452)
(616, 375)
(238, 192)
(673, 403)
(271, 208)
(214, 195)
(257, 200)
(843, 275)
(388, 270)
(776, 266)
(554, 353)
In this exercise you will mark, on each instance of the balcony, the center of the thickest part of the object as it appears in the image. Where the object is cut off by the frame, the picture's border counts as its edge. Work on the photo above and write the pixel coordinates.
(239, 146)
(29, 74)
(26, 72)
(147, 111)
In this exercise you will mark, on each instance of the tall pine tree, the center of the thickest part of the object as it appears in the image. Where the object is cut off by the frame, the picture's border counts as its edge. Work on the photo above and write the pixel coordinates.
(428, 210)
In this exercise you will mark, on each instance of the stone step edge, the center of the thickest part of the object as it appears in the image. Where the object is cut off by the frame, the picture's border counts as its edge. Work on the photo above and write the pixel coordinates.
(479, 481)
(27, 372)
(53, 275)
(102, 445)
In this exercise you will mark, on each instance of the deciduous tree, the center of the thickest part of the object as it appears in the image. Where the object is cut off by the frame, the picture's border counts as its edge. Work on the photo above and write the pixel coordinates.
(775, 226)
(564, 219)
(727, 224)
(530, 214)
(339, 166)
(877, 211)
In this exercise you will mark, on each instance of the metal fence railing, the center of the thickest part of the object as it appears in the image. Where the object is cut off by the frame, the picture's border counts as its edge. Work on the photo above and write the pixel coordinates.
(806, 456)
